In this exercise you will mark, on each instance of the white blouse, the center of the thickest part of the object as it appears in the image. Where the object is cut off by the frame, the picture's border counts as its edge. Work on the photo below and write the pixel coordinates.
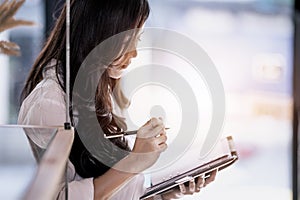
(45, 106)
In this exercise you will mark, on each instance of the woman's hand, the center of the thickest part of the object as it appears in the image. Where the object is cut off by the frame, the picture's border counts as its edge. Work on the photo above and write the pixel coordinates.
(150, 142)
(194, 187)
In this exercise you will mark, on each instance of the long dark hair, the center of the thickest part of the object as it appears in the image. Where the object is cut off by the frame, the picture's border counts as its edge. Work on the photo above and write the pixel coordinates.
(92, 22)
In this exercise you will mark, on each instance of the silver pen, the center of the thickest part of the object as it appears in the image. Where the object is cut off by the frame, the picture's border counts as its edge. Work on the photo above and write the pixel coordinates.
(122, 134)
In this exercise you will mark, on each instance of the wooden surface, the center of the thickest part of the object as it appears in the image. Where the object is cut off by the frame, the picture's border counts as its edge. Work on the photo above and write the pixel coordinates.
(51, 168)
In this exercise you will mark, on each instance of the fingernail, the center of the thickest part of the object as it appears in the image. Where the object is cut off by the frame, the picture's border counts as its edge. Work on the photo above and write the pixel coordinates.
(202, 185)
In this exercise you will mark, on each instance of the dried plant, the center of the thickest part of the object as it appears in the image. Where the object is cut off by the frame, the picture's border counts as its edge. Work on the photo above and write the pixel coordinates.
(7, 21)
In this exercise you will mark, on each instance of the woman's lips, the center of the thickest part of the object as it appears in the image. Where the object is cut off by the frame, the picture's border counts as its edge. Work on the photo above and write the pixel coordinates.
(124, 66)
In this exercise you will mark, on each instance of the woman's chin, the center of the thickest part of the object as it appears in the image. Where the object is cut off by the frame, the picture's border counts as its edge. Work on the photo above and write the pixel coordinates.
(116, 78)
(116, 75)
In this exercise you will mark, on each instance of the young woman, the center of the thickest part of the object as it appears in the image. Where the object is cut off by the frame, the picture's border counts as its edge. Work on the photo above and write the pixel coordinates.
(43, 102)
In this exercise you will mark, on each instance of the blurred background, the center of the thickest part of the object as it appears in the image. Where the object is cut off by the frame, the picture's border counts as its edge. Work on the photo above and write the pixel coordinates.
(251, 43)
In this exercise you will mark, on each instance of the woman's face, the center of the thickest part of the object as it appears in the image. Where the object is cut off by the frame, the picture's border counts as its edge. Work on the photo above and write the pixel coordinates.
(117, 68)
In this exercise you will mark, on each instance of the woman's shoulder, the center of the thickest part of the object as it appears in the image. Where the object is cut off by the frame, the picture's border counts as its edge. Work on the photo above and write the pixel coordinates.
(47, 90)
(45, 105)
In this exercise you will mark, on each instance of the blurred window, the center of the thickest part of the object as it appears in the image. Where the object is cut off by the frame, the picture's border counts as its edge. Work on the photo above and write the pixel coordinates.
(251, 44)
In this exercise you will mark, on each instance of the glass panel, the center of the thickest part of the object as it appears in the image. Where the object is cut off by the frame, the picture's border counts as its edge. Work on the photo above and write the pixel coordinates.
(18, 148)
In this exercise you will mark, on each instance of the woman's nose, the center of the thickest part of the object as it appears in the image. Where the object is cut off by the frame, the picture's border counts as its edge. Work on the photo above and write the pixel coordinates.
(133, 53)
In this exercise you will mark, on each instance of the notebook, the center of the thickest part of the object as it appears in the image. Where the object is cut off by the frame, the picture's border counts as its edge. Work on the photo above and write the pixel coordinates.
(223, 155)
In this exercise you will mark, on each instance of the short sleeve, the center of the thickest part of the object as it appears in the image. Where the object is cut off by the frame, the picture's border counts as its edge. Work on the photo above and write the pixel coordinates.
(45, 105)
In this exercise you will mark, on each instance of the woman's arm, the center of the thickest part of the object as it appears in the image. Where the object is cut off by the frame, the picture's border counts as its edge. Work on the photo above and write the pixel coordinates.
(111, 181)
(149, 144)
